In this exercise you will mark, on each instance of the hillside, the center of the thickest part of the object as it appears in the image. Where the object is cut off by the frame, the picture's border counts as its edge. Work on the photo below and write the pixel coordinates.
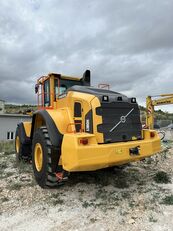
(22, 109)
(159, 115)
(19, 109)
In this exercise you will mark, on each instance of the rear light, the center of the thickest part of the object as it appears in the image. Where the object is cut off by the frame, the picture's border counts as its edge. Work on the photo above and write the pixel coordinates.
(152, 134)
(133, 100)
(119, 98)
(84, 141)
(105, 98)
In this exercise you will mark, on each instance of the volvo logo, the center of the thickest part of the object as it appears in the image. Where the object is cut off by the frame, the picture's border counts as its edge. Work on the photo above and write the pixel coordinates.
(122, 120)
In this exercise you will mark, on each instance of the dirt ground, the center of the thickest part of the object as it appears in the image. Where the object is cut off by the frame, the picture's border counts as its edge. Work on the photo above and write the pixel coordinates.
(138, 197)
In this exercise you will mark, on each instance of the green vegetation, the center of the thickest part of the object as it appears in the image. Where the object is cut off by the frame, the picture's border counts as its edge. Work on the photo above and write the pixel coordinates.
(93, 220)
(152, 219)
(86, 204)
(55, 199)
(4, 199)
(7, 147)
(162, 178)
(15, 186)
(168, 200)
(158, 114)
(22, 109)
(19, 109)
(3, 165)
(23, 167)
(101, 194)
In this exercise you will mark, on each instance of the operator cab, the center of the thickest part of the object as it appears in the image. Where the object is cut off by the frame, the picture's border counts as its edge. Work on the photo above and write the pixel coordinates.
(61, 86)
(54, 86)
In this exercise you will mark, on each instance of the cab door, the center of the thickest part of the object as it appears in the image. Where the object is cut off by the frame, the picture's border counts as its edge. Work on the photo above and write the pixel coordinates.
(47, 93)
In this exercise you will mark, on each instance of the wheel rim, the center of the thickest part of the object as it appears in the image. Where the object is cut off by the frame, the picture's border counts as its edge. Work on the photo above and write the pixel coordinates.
(38, 157)
(17, 144)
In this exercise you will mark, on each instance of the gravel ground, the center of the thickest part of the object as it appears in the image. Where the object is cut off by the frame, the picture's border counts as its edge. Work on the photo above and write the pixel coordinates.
(136, 197)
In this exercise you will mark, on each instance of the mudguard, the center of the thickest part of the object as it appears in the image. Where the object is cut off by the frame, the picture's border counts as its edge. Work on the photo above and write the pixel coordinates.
(54, 135)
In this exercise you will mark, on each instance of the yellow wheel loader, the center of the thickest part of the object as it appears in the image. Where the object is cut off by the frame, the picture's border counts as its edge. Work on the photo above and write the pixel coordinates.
(81, 128)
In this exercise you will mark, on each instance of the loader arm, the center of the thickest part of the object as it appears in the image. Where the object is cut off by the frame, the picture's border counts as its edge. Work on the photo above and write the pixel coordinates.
(163, 99)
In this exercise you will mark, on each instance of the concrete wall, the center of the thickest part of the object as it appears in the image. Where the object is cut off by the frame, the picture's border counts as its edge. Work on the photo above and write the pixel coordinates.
(1, 106)
(8, 124)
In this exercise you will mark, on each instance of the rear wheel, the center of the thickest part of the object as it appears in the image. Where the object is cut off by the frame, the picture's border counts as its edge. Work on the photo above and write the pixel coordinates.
(22, 149)
(41, 159)
(18, 147)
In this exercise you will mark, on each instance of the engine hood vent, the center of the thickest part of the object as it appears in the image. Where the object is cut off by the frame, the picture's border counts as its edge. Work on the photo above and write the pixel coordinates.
(121, 121)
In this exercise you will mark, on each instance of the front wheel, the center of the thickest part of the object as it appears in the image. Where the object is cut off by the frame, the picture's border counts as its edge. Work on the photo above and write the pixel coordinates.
(41, 159)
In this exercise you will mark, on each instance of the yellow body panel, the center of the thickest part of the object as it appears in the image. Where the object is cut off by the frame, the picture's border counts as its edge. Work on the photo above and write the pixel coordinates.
(61, 119)
(63, 116)
(27, 127)
(97, 120)
(93, 156)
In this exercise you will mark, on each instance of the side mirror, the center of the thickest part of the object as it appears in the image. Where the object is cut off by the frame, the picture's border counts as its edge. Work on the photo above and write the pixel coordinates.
(36, 88)
(86, 78)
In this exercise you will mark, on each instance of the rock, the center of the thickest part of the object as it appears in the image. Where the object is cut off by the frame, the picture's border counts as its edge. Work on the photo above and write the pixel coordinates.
(131, 221)
(25, 178)
(134, 216)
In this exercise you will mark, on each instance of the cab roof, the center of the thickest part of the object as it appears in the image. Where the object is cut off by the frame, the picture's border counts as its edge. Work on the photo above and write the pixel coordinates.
(85, 78)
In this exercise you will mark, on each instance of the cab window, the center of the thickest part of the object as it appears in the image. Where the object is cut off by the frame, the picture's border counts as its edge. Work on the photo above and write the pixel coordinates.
(59, 90)
(64, 85)
(47, 93)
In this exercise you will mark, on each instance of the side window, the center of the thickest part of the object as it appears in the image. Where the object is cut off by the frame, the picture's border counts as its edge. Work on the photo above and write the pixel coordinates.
(77, 109)
(63, 88)
(47, 93)
(56, 91)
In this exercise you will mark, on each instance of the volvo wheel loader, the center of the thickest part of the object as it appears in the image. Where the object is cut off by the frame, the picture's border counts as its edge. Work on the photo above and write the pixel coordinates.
(81, 128)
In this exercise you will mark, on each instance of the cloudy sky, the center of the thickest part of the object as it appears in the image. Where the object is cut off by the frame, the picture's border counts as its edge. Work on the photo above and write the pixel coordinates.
(125, 43)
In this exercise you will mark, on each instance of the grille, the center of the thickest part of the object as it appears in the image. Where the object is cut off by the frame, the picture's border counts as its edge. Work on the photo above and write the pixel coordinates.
(121, 121)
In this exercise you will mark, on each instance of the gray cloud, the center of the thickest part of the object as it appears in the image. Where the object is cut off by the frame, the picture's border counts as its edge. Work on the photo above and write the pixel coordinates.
(128, 44)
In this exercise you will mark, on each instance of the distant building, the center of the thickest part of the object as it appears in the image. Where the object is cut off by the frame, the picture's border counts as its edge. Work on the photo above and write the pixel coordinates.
(8, 124)
(2, 110)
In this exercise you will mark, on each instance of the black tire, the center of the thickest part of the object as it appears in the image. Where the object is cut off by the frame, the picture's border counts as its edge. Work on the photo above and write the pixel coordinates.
(44, 175)
(18, 147)
(23, 150)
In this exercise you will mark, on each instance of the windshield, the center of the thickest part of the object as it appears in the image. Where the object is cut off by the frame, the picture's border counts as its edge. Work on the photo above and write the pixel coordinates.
(64, 85)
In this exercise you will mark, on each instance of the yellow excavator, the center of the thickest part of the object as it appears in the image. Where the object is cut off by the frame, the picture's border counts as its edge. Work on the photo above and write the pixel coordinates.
(158, 100)
(81, 128)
